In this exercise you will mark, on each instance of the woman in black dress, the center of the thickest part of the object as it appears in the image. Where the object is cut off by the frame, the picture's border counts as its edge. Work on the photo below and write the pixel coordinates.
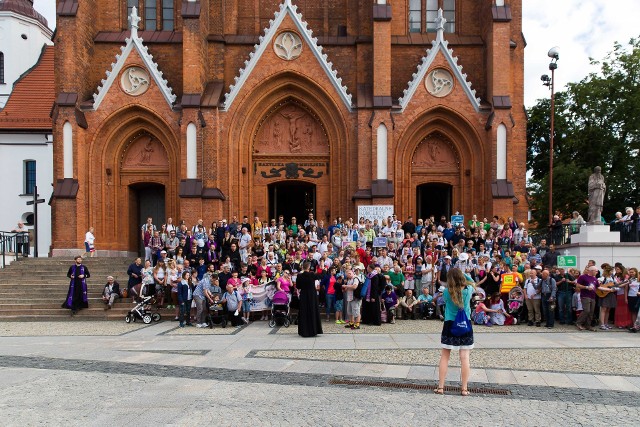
(309, 324)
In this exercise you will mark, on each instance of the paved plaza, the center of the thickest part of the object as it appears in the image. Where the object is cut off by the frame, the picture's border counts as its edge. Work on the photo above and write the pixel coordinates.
(110, 373)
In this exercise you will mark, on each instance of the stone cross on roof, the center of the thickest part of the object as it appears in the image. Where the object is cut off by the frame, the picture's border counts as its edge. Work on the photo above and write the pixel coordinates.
(134, 19)
(440, 21)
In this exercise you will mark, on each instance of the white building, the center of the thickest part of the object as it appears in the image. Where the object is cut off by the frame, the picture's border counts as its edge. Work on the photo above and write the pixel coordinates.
(27, 93)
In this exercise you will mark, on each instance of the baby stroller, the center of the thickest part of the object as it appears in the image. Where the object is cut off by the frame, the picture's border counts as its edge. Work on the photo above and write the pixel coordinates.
(516, 302)
(142, 310)
(216, 315)
(280, 310)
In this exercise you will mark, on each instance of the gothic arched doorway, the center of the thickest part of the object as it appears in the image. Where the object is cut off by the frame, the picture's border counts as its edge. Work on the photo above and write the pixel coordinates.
(147, 201)
(434, 199)
(144, 175)
(291, 143)
(292, 199)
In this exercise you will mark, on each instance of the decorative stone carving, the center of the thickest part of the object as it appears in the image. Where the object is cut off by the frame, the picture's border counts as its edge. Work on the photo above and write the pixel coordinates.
(439, 82)
(134, 81)
(436, 152)
(288, 46)
(291, 129)
(292, 171)
(145, 151)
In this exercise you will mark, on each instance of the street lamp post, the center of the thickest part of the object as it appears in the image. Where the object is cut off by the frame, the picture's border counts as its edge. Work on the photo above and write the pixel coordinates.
(554, 54)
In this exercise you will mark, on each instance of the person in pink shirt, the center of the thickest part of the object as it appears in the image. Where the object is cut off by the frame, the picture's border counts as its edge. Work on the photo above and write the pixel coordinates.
(234, 280)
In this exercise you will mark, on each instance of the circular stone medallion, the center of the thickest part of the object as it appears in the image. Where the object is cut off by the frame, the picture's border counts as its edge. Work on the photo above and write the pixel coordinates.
(135, 81)
(439, 82)
(288, 46)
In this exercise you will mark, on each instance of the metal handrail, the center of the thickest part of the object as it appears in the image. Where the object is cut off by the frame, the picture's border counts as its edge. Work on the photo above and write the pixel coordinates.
(12, 244)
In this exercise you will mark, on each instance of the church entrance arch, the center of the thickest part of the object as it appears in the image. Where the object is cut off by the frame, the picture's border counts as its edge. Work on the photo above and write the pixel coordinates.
(434, 199)
(291, 155)
(292, 199)
(147, 200)
(435, 172)
(144, 171)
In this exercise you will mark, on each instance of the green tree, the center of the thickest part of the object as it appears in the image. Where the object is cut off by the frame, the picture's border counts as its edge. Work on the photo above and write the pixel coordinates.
(597, 123)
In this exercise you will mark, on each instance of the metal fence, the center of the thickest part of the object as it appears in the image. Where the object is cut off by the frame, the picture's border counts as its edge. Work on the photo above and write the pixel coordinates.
(13, 245)
(562, 235)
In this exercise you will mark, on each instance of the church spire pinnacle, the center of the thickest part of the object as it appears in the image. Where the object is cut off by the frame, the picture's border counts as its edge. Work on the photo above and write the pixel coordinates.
(134, 19)
(440, 21)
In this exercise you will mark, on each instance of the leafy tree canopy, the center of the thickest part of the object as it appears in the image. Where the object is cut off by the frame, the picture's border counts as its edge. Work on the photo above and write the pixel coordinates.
(597, 123)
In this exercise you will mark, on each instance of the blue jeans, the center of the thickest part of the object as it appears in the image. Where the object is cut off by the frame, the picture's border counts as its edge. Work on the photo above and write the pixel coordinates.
(564, 306)
(549, 316)
(331, 303)
(185, 312)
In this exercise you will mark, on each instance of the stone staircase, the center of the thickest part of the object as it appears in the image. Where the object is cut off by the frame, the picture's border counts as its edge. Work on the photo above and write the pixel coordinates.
(34, 289)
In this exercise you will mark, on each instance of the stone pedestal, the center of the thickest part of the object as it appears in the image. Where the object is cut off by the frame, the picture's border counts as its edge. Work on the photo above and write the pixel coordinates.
(592, 233)
(598, 243)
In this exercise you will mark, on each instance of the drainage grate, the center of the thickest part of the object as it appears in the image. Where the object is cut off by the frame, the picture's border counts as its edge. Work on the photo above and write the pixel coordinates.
(411, 386)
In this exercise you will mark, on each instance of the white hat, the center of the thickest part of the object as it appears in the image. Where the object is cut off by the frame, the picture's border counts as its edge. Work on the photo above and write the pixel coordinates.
(441, 289)
(463, 256)
(538, 267)
(447, 257)
(359, 266)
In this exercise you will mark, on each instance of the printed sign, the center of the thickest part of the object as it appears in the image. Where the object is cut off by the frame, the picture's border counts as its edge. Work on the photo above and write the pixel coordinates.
(565, 261)
(457, 220)
(378, 212)
(380, 242)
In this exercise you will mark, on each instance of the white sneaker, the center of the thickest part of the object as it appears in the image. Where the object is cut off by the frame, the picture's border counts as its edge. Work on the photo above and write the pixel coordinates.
(199, 325)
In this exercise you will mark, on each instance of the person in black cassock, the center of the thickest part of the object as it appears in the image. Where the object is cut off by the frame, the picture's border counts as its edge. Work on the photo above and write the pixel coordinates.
(309, 324)
(371, 302)
(77, 295)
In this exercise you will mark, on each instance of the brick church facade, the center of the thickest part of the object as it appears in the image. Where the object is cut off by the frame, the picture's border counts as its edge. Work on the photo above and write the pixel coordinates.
(214, 108)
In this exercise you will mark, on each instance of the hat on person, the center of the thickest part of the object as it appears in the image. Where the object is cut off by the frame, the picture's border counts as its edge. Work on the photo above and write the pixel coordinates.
(163, 252)
(441, 289)
(538, 267)
(359, 266)
(447, 257)
(463, 256)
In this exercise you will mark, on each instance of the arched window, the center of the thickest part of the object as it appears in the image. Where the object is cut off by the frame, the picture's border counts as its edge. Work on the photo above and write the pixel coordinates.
(167, 15)
(150, 15)
(155, 14)
(1, 68)
(67, 150)
(192, 152)
(415, 16)
(501, 152)
(382, 152)
(29, 176)
(449, 12)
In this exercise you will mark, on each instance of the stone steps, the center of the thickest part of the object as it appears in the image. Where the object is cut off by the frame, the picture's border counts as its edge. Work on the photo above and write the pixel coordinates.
(34, 288)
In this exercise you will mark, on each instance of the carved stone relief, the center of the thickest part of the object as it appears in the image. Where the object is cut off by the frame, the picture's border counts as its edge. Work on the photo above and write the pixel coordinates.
(145, 151)
(290, 129)
(288, 46)
(436, 151)
(135, 81)
(439, 82)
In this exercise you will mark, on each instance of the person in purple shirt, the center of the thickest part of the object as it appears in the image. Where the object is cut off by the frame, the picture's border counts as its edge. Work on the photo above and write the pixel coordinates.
(587, 283)
(390, 303)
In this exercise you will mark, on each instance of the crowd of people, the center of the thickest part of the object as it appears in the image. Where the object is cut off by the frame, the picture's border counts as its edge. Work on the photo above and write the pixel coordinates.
(358, 283)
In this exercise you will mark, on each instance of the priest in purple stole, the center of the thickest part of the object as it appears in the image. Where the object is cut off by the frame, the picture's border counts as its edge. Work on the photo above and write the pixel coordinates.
(77, 295)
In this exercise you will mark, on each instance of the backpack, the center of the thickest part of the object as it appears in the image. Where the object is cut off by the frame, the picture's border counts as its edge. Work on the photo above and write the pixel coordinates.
(365, 288)
(461, 325)
(357, 292)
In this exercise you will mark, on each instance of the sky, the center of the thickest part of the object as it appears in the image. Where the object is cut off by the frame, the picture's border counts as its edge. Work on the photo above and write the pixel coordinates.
(580, 28)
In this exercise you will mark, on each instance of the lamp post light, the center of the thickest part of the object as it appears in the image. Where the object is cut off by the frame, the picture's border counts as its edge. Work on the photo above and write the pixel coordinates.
(554, 54)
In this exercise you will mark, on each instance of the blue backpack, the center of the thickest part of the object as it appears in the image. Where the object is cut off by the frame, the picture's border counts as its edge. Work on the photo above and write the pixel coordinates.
(461, 325)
